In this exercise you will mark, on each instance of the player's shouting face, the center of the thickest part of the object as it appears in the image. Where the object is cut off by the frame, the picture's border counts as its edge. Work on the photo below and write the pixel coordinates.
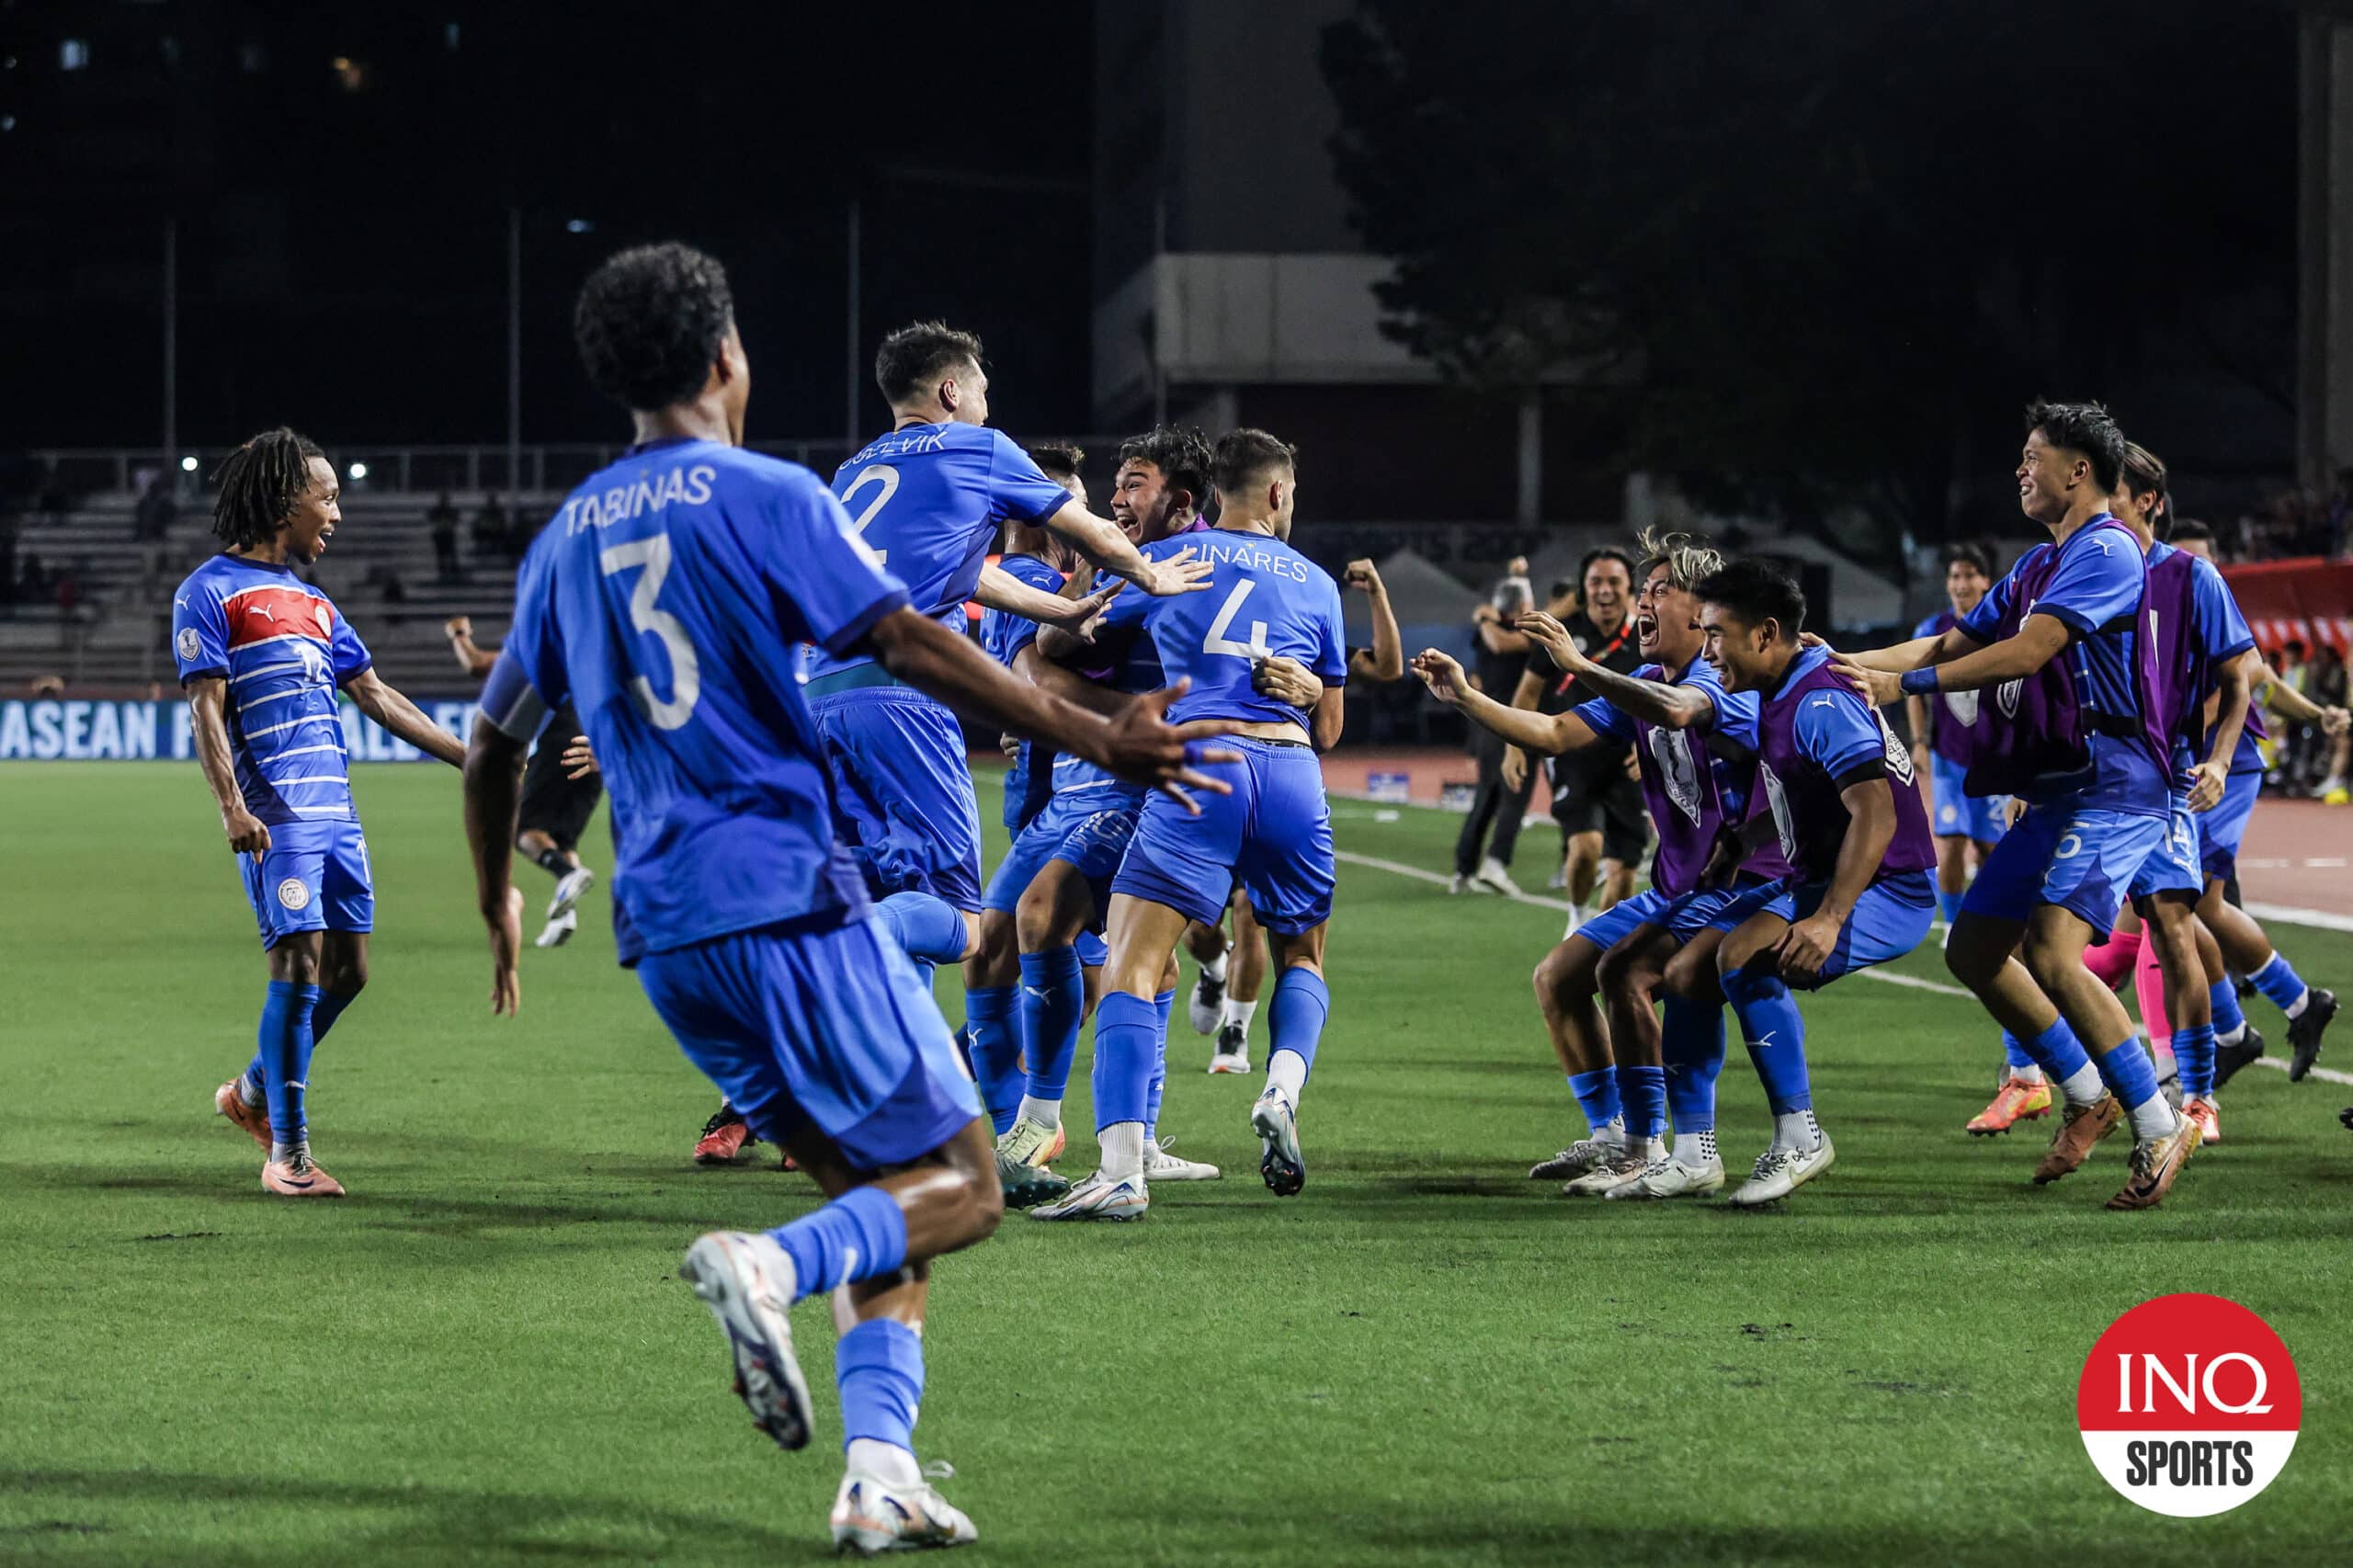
(1141, 501)
(316, 511)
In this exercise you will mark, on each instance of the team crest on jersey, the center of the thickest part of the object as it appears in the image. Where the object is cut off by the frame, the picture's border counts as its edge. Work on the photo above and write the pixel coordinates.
(1899, 756)
(2005, 697)
(1678, 771)
(326, 621)
(1963, 705)
(1778, 800)
(294, 894)
(191, 646)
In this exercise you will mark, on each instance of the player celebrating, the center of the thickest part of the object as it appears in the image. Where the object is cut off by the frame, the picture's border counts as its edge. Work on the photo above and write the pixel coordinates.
(1273, 832)
(2076, 729)
(668, 599)
(262, 654)
(557, 801)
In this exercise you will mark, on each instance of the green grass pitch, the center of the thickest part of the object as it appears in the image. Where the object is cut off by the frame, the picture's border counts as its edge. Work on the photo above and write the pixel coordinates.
(484, 1354)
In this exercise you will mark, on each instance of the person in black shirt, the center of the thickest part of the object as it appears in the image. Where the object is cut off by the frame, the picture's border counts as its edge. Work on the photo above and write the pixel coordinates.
(1502, 650)
(1595, 797)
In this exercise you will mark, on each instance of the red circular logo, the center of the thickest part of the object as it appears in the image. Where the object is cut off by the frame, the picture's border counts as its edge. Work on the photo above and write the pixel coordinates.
(2189, 1404)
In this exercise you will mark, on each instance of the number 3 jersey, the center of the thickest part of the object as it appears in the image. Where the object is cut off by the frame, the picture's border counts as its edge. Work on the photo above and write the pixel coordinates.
(929, 500)
(1817, 738)
(284, 651)
(1264, 598)
(666, 601)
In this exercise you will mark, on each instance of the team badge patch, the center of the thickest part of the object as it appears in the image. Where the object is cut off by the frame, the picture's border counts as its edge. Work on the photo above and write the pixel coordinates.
(294, 894)
(190, 644)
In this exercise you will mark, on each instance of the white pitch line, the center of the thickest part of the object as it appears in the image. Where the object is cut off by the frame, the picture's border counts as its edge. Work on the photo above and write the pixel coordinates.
(1885, 977)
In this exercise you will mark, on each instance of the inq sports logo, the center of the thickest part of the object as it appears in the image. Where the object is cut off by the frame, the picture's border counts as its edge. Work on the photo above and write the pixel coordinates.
(2189, 1404)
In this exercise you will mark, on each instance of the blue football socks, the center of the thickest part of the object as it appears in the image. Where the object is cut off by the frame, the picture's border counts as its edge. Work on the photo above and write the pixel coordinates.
(1643, 1091)
(856, 1236)
(1692, 1041)
(283, 1049)
(1053, 996)
(2279, 984)
(1775, 1034)
(2193, 1055)
(2229, 1017)
(993, 1015)
(1948, 904)
(1126, 1038)
(878, 1366)
(1596, 1094)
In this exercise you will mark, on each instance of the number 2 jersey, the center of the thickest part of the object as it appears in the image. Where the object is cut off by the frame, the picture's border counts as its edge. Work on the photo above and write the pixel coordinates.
(284, 651)
(666, 600)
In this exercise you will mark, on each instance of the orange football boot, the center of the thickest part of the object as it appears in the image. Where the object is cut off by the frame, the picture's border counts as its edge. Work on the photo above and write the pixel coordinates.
(296, 1177)
(255, 1118)
(2157, 1163)
(2082, 1126)
(2208, 1116)
(2016, 1100)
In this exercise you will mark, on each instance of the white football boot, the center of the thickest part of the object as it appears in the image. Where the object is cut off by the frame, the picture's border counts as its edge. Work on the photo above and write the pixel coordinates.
(568, 891)
(1159, 1164)
(747, 1282)
(1779, 1172)
(872, 1515)
(1095, 1198)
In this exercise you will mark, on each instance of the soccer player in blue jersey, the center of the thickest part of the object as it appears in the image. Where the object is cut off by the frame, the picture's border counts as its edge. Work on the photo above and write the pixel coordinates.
(2245, 944)
(262, 654)
(1059, 872)
(1273, 832)
(669, 599)
(2061, 643)
(1696, 744)
(1841, 798)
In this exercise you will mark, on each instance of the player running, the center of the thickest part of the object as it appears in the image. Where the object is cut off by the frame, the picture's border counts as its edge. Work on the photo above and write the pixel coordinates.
(262, 654)
(1840, 794)
(1273, 832)
(1696, 744)
(668, 600)
(2075, 728)
(557, 801)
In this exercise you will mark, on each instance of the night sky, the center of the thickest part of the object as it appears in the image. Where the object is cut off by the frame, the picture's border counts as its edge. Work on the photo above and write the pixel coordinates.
(343, 257)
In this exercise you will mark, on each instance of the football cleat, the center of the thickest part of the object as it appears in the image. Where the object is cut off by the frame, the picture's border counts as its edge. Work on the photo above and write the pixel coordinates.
(1670, 1178)
(2170, 1084)
(724, 1137)
(1208, 1001)
(1576, 1159)
(2156, 1163)
(1459, 884)
(2229, 1059)
(1097, 1198)
(2015, 1101)
(2305, 1032)
(1626, 1165)
(559, 930)
(1159, 1164)
(1020, 1164)
(1492, 876)
(2207, 1115)
(229, 1100)
(1277, 1126)
(2080, 1127)
(1232, 1050)
(296, 1177)
(1779, 1172)
(872, 1515)
(568, 890)
(748, 1281)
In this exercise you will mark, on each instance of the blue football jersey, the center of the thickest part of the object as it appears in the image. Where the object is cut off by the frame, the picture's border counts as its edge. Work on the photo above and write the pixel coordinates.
(1002, 636)
(664, 601)
(1264, 598)
(284, 651)
(929, 500)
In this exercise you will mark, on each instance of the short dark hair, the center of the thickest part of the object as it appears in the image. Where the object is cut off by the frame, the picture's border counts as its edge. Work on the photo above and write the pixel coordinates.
(1562, 588)
(259, 484)
(2295, 645)
(1057, 460)
(1979, 557)
(2187, 529)
(2084, 428)
(1241, 455)
(2144, 471)
(1605, 553)
(1757, 591)
(911, 358)
(649, 323)
(1182, 455)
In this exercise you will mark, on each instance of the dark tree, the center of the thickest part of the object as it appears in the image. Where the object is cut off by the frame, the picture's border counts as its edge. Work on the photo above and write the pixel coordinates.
(1819, 252)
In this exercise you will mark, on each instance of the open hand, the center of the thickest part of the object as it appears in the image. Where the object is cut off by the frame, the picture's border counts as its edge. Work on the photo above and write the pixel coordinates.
(1878, 687)
(578, 759)
(1553, 638)
(1443, 672)
(1140, 746)
(1180, 574)
(1807, 945)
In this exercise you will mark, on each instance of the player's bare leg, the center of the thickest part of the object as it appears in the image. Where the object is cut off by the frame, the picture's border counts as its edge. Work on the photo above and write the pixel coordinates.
(1567, 981)
(2171, 928)
(1581, 868)
(1212, 952)
(1246, 980)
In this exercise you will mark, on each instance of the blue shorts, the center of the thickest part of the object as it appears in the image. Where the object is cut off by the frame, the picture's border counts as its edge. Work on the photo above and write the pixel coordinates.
(902, 792)
(1273, 834)
(1890, 920)
(2222, 830)
(831, 1029)
(2082, 858)
(1955, 812)
(313, 877)
(1045, 839)
(2173, 866)
(1681, 917)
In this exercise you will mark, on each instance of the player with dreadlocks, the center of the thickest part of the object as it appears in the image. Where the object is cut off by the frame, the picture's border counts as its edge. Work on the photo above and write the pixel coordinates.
(262, 654)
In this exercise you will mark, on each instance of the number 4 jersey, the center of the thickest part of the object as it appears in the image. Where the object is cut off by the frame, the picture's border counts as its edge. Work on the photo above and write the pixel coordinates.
(666, 601)
(1264, 598)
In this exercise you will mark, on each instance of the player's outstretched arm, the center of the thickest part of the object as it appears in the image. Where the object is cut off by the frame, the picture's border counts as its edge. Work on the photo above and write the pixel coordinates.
(471, 657)
(2287, 701)
(1919, 653)
(1033, 664)
(1654, 702)
(494, 790)
(1531, 731)
(1388, 660)
(206, 697)
(1137, 744)
(1002, 590)
(1102, 541)
(2042, 638)
(403, 718)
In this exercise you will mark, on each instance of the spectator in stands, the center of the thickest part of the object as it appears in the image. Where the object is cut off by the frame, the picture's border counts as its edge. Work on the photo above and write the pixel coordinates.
(443, 516)
(32, 582)
(2324, 682)
(157, 511)
(490, 530)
